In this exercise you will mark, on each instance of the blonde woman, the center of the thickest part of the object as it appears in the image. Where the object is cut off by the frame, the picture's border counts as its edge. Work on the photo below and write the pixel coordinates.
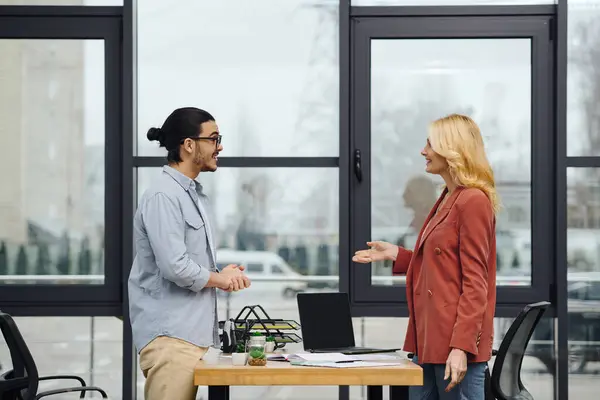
(451, 272)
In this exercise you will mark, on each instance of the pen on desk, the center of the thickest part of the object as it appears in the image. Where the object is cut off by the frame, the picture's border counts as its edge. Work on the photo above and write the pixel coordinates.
(346, 361)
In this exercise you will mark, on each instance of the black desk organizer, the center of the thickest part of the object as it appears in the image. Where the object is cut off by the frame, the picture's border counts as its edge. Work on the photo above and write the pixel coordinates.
(253, 322)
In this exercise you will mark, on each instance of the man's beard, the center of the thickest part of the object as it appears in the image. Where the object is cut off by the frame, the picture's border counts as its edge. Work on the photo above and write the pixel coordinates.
(198, 158)
(200, 161)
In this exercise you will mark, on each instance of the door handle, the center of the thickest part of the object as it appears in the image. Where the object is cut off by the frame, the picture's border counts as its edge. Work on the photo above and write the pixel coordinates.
(358, 165)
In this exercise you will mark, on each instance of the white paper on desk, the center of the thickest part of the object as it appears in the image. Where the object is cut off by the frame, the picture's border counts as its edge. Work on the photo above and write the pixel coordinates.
(355, 364)
(376, 357)
(278, 357)
(316, 357)
(322, 357)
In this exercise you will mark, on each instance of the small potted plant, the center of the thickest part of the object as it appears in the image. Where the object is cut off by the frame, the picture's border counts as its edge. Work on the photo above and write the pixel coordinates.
(270, 344)
(239, 357)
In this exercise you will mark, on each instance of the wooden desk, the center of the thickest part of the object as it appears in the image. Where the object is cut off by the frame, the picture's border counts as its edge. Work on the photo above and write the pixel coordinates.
(219, 374)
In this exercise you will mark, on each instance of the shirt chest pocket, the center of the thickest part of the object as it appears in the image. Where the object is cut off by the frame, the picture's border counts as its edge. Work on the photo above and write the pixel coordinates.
(195, 234)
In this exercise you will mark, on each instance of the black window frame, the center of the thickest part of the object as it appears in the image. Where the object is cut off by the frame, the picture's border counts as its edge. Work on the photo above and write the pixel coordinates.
(124, 160)
(457, 23)
(80, 23)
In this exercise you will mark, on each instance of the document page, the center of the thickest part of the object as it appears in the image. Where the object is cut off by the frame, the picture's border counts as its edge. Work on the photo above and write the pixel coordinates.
(321, 357)
(338, 360)
(345, 364)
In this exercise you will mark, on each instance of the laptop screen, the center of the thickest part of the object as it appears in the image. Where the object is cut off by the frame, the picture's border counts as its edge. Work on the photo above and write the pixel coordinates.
(325, 320)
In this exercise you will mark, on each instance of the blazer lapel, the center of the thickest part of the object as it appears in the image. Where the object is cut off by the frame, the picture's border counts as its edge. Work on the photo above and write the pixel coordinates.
(434, 220)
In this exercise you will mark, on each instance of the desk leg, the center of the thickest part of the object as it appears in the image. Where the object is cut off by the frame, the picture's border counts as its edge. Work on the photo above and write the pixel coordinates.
(374, 392)
(218, 393)
(398, 392)
(344, 393)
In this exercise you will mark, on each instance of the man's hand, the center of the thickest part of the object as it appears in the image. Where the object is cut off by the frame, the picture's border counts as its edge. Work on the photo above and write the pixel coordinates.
(233, 266)
(233, 278)
(456, 368)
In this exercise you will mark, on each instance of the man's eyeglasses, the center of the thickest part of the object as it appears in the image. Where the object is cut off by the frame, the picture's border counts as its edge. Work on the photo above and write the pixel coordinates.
(216, 139)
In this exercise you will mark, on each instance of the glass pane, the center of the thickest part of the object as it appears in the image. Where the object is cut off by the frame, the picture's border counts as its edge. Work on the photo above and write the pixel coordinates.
(583, 79)
(52, 130)
(277, 216)
(262, 222)
(537, 379)
(61, 2)
(449, 2)
(270, 81)
(583, 261)
(414, 82)
(88, 347)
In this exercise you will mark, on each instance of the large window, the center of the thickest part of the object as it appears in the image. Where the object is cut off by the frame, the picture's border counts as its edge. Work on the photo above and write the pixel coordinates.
(411, 70)
(272, 83)
(52, 214)
(581, 335)
(416, 81)
(60, 108)
(89, 347)
(583, 278)
(296, 86)
(272, 219)
(270, 80)
(583, 96)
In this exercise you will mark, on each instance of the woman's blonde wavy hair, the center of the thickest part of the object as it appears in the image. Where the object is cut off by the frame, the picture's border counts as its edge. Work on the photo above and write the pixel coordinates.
(458, 139)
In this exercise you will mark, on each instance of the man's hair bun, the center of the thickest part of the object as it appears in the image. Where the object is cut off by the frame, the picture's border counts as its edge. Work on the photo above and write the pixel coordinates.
(156, 134)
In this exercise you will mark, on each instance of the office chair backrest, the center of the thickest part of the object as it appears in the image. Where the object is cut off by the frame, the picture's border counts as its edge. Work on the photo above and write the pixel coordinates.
(24, 368)
(506, 375)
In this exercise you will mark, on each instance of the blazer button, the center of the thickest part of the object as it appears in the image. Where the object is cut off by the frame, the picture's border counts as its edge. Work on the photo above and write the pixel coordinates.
(430, 293)
(438, 251)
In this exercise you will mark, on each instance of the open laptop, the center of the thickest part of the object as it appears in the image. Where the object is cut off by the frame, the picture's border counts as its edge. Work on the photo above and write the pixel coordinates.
(326, 324)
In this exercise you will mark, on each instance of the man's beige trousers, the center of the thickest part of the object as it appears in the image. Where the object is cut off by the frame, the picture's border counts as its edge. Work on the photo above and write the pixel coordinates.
(168, 366)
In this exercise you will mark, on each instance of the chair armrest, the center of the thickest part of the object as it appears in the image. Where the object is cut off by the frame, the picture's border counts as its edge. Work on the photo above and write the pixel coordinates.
(77, 378)
(81, 389)
(50, 377)
(10, 383)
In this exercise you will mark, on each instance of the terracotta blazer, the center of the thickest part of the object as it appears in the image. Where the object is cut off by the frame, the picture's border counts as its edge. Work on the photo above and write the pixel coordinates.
(451, 280)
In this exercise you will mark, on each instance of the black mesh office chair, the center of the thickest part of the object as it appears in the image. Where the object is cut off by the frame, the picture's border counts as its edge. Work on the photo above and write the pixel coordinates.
(504, 383)
(21, 382)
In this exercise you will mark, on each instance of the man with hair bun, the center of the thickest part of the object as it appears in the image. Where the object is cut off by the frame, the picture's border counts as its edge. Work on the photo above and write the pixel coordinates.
(174, 277)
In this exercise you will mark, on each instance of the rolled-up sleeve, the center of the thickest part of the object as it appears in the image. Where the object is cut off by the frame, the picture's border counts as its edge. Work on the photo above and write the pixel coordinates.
(165, 228)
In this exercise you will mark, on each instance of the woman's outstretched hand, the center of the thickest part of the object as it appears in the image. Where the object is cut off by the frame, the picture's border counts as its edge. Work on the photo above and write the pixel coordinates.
(377, 251)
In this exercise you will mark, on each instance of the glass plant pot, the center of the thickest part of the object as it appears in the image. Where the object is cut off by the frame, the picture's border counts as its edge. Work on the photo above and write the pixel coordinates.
(256, 351)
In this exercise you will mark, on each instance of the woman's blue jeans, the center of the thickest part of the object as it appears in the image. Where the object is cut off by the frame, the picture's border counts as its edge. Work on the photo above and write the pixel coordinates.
(472, 386)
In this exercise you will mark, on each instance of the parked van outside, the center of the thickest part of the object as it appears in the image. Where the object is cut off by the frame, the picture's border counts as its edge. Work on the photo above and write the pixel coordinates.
(264, 264)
